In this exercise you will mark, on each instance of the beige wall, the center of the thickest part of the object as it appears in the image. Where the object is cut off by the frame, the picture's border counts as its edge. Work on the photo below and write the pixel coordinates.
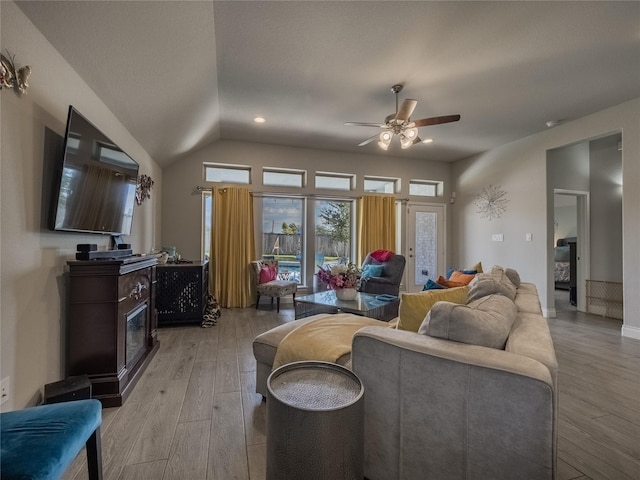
(33, 259)
(520, 168)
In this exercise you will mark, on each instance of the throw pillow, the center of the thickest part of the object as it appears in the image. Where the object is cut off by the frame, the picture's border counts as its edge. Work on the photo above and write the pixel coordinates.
(381, 255)
(371, 270)
(477, 267)
(462, 277)
(449, 283)
(513, 275)
(268, 274)
(431, 285)
(485, 322)
(415, 306)
(485, 284)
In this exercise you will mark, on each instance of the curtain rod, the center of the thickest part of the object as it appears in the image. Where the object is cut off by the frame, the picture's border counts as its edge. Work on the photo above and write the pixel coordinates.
(312, 195)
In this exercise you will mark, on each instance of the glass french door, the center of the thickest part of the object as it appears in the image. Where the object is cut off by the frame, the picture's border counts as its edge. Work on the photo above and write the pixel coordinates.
(425, 244)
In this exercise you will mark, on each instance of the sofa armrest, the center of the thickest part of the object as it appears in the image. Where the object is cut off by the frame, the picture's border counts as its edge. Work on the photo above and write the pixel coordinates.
(472, 408)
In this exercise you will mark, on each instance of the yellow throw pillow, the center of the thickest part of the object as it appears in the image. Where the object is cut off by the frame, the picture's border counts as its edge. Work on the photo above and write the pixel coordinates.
(477, 267)
(415, 306)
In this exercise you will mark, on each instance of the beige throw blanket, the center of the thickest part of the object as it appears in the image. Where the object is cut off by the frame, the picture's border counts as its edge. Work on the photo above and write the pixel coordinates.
(327, 338)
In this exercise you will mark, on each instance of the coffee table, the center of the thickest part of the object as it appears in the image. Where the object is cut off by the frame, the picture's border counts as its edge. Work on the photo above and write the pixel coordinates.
(365, 304)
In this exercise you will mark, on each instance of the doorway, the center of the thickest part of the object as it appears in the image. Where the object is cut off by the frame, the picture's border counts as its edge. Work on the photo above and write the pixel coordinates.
(571, 248)
(425, 244)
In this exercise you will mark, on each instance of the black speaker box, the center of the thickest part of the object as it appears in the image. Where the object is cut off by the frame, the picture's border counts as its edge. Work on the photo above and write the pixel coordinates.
(72, 388)
(86, 247)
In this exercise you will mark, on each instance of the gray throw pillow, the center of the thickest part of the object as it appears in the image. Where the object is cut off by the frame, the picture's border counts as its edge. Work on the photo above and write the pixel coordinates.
(486, 284)
(485, 322)
(513, 275)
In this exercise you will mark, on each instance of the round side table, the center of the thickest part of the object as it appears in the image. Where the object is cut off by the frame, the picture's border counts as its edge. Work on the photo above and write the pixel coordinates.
(315, 422)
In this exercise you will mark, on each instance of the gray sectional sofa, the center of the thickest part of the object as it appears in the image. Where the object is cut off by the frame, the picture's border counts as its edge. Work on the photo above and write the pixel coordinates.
(438, 404)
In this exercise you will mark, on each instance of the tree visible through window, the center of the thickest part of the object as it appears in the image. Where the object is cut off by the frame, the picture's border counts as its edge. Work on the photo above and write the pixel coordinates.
(333, 231)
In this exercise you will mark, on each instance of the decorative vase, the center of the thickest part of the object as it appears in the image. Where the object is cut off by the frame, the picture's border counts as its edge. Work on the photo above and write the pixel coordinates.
(347, 294)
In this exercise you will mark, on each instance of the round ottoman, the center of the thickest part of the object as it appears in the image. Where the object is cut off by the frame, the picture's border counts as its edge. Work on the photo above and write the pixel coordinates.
(315, 422)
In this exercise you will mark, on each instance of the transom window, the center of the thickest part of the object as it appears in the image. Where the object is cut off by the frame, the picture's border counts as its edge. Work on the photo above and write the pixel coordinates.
(279, 177)
(425, 188)
(381, 184)
(227, 173)
(335, 181)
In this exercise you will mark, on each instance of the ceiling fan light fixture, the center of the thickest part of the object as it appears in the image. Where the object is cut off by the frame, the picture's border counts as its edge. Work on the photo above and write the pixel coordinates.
(405, 141)
(385, 139)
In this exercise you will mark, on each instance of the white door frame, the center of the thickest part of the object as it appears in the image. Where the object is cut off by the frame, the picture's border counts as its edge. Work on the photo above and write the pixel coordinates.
(440, 210)
(583, 248)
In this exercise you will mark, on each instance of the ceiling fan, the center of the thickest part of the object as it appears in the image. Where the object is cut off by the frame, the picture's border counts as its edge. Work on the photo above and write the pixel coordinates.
(400, 124)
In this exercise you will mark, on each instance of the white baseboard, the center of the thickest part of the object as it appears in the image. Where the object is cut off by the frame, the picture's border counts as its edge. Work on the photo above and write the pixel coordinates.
(549, 312)
(631, 332)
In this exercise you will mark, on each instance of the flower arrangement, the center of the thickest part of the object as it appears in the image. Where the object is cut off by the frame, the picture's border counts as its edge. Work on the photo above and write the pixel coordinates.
(340, 276)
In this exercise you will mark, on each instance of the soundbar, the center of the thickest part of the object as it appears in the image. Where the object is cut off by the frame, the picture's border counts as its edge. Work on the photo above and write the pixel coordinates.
(104, 254)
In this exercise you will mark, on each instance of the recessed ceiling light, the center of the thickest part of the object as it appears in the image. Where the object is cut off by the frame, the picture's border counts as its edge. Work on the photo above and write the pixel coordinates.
(259, 120)
(427, 140)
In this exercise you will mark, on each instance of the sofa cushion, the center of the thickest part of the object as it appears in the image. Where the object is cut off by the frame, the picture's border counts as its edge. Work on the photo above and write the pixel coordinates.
(431, 285)
(486, 284)
(415, 306)
(462, 276)
(477, 267)
(486, 321)
(449, 283)
(512, 275)
(371, 270)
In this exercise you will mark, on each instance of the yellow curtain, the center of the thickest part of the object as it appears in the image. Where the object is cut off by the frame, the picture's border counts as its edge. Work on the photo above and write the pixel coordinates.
(376, 224)
(232, 246)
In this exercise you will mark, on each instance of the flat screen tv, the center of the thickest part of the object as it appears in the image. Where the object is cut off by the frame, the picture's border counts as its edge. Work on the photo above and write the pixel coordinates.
(95, 186)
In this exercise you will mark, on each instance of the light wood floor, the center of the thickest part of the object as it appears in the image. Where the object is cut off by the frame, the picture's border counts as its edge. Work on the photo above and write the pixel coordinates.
(194, 414)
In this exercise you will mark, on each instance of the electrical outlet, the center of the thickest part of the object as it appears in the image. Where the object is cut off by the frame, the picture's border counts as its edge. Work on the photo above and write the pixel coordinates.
(4, 390)
(497, 237)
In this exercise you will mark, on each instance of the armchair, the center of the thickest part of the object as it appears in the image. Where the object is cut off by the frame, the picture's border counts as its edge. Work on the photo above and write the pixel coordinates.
(267, 283)
(388, 282)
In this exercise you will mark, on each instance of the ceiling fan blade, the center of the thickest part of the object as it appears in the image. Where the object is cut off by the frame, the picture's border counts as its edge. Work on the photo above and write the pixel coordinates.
(368, 140)
(406, 109)
(365, 124)
(423, 122)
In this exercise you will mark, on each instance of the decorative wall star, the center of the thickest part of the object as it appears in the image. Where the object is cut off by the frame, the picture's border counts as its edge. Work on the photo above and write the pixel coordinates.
(491, 202)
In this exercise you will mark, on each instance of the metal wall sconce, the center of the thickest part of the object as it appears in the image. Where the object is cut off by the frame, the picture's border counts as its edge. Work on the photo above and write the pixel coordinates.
(143, 188)
(18, 80)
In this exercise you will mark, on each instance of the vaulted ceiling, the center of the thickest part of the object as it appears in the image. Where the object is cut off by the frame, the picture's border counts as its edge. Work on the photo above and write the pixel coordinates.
(182, 74)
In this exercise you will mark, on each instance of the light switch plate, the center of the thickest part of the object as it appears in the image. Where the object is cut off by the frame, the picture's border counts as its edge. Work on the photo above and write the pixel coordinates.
(528, 237)
(497, 237)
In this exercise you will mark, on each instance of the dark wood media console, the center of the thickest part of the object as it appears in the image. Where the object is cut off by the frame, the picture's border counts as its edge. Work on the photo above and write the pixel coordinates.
(111, 324)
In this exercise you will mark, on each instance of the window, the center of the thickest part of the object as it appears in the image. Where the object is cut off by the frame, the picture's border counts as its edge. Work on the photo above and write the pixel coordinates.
(226, 173)
(283, 178)
(425, 188)
(333, 232)
(381, 184)
(335, 181)
(282, 235)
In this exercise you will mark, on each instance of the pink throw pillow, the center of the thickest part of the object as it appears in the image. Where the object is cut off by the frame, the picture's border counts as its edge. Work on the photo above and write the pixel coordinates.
(268, 274)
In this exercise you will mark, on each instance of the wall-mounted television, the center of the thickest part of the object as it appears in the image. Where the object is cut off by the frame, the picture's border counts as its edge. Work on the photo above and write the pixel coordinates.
(95, 183)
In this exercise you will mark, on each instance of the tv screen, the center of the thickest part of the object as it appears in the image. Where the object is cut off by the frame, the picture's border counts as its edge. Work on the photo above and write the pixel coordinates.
(96, 186)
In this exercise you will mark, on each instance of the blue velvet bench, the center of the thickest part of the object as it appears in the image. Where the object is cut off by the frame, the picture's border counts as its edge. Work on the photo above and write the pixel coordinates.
(42, 442)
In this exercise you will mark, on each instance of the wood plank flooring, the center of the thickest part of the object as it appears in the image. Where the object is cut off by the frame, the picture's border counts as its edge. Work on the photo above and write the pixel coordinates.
(194, 414)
